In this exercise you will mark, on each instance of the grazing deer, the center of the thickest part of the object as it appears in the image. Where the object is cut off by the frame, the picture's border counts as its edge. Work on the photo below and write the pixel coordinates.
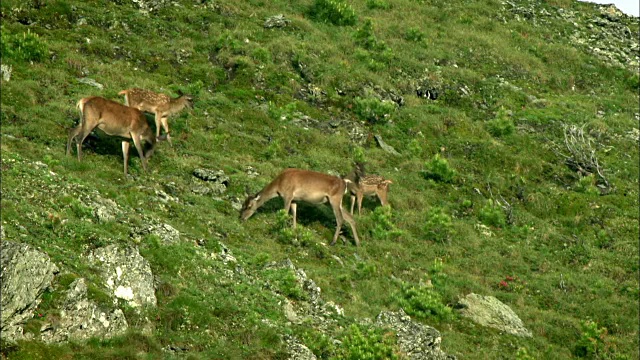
(362, 185)
(304, 185)
(161, 105)
(114, 119)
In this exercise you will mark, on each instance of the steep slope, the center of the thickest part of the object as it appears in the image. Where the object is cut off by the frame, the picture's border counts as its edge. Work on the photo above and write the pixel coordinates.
(510, 131)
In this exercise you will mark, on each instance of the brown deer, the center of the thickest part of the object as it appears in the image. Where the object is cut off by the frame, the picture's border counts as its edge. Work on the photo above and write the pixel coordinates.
(366, 185)
(304, 185)
(114, 119)
(161, 105)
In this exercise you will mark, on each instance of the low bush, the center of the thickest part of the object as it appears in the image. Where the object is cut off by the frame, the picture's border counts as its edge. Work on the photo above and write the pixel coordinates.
(335, 12)
(373, 110)
(422, 302)
(23, 47)
(365, 343)
(438, 169)
(438, 225)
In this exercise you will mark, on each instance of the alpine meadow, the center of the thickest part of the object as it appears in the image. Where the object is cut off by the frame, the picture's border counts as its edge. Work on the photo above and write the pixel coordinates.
(491, 148)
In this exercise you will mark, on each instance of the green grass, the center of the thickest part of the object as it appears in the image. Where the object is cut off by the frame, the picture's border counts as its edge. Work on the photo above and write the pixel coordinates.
(482, 142)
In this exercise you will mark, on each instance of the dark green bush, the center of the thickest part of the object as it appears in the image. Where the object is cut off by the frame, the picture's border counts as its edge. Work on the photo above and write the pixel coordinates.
(493, 215)
(378, 4)
(438, 226)
(335, 12)
(501, 125)
(373, 110)
(414, 34)
(25, 47)
(422, 302)
(438, 169)
(361, 343)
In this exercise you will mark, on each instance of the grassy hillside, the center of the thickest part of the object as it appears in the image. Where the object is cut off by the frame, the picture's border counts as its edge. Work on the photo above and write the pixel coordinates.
(494, 190)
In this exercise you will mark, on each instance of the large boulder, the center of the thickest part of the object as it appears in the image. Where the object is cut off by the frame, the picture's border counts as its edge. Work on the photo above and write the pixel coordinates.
(126, 273)
(491, 312)
(81, 319)
(26, 274)
(416, 340)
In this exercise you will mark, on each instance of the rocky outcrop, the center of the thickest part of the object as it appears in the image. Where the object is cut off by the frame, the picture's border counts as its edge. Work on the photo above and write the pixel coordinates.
(165, 232)
(213, 181)
(276, 21)
(297, 350)
(126, 273)
(491, 312)
(81, 319)
(416, 340)
(605, 35)
(26, 274)
(313, 309)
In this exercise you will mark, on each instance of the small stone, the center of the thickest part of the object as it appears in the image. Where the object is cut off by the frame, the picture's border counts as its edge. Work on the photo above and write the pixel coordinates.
(91, 82)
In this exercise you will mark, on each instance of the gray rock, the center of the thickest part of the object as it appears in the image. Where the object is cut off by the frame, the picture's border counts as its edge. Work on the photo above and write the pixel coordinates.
(252, 172)
(290, 312)
(6, 71)
(385, 146)
(26, 274)
(167, 233)
(91, 82)
(106, 210)
(211, 175)
(276, 21)
(81, 319)
(491, 312)
(225, 254)
(126, 273)
(297, 350)
(416, 340)
(217, 182)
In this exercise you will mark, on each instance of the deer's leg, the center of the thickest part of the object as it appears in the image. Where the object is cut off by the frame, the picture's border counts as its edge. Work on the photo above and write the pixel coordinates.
(360, 197)
(337, 211)
(165, 126)
(72, 135)
(287, 206)
(352, 223)
(138, 144)
(294, 207)
(353, 202)
(125, 155)
(82, 134)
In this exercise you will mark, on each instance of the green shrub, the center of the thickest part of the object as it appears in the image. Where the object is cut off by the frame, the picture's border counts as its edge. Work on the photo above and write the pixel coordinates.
(523, 354)
(587, 185)
(438, 169)
(422, 302)
(373, 110)
(335, 12)
(633, 82)
(320, 344)
(383, 227)
(286, 234)
(492, 215)
(594, 342)
(25, 47)
(365, 37)
(414, 148)
(286, 283)
(378, 4)
(414, 34)
(364, 343)
(364, 271)
(438, 226)
(501, 125)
